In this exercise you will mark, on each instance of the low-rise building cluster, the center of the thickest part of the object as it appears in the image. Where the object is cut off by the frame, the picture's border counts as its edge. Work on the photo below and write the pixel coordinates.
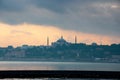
(61, 50)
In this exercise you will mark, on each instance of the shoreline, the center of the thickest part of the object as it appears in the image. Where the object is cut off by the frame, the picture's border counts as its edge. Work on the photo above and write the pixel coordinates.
(56, 61)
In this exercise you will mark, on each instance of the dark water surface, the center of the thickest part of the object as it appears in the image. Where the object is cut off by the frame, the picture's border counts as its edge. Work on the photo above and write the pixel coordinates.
(27, 65)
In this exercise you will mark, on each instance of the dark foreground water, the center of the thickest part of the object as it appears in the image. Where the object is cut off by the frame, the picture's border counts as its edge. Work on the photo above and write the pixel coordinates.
(24, 65)
(58, 79)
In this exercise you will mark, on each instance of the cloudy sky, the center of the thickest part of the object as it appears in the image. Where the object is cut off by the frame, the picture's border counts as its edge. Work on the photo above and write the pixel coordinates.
(31, 21)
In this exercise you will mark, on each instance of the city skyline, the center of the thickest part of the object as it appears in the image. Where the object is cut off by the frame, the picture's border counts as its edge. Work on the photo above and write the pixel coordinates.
(31, 22)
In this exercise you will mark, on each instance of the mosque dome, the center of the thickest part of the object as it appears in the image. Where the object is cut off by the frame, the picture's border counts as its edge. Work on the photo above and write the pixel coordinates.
(60, 42)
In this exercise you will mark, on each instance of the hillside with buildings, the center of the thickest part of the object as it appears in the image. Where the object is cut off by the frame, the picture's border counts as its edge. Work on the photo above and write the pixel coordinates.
(61, 50)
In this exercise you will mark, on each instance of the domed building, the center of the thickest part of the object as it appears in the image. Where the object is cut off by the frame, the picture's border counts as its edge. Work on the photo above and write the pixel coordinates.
(60, 42)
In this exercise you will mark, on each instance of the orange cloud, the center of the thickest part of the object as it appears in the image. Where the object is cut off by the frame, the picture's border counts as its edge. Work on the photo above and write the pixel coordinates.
(31, 34)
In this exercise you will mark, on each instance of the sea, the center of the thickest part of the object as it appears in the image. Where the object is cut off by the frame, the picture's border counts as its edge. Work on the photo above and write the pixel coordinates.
(37, 65)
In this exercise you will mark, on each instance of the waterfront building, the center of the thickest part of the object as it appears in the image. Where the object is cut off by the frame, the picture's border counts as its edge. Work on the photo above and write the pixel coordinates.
(60, 42)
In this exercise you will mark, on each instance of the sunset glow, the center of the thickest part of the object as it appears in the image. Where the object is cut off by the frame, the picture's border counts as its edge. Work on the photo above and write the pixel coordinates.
(31, 34)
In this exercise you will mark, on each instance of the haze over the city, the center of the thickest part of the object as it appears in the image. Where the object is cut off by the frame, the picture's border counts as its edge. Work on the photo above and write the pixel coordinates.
(32, 21)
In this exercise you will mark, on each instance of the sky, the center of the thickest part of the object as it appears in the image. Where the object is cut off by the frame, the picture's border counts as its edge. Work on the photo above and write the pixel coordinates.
(32, 21)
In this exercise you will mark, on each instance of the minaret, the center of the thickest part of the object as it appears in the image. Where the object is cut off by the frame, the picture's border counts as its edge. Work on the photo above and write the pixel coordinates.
(101, 43)
(75, 40)
(47, 41)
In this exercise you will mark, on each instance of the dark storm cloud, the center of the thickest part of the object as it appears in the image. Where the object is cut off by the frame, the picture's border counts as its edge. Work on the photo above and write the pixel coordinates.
(90, 16)
(58, 6)
(12, 5)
